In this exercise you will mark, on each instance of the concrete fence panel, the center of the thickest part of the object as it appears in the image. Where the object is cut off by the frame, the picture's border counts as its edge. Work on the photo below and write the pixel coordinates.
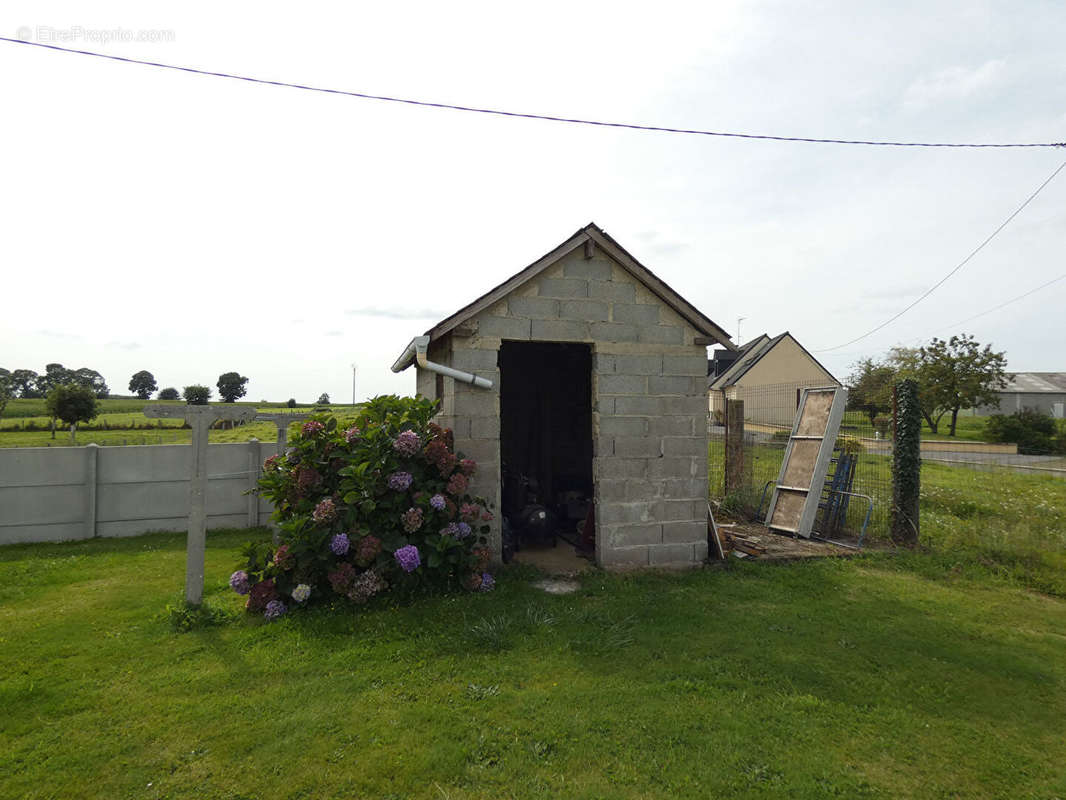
(68, 493)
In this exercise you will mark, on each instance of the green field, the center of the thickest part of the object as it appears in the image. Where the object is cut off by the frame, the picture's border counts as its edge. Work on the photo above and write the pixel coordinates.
(878, 677)
(121, 422)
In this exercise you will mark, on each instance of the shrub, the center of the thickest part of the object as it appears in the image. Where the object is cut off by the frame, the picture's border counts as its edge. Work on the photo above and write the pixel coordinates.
(849, 445)
(382, 505)
(170, 393)
(1033, 432)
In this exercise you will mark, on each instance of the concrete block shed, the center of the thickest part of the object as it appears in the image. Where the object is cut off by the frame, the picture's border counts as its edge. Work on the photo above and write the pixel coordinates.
(582, 380)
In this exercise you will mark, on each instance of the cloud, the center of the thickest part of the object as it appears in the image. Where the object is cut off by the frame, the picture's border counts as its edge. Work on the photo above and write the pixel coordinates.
(895, 294)
(61, 335)
(334, 333)
(397, 313)
(660, 246)
(953, 83)
(125, 345)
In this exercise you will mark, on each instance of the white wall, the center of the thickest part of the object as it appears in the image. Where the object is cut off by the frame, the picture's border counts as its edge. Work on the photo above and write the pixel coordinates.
(64, 493)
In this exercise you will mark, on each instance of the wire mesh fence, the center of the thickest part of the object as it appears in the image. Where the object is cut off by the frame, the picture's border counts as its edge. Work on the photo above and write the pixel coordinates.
(865, 445)
(862, 462)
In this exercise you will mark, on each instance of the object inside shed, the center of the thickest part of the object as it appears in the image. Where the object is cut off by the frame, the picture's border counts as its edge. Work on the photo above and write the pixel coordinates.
(545, 441)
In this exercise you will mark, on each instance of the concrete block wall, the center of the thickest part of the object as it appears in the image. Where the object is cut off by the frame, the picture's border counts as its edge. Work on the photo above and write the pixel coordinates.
(649, 405)
(67, 493)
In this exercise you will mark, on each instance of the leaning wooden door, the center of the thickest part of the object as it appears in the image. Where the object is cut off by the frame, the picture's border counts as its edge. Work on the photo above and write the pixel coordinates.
(810, 446)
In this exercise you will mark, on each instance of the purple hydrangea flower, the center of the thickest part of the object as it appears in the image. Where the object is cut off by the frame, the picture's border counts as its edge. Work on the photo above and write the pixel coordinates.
(238, 581)
(451, 529)
(407, 557)
(313, 428)
(464, 530)
(339, 544)
(351, 434)
(407, 443)
(487, 582)
(274, 609)
(400, 481)
(438, 502)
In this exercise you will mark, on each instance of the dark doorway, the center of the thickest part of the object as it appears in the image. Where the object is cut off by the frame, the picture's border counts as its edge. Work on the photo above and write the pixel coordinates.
(545, 441)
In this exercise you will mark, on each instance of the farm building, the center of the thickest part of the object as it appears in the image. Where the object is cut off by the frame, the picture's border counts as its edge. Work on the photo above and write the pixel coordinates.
(1044, 392)
(768, 375)
(578, 386)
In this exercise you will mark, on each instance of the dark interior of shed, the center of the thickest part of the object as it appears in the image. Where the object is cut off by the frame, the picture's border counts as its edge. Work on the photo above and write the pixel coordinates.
(546, 443)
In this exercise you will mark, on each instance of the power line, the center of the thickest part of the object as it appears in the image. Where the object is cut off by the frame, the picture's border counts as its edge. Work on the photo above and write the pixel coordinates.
(522, 115)
(1003, 305)
(959, 266)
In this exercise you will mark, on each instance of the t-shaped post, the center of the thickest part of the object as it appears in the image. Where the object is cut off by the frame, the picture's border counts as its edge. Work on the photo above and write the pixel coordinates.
(200, 419)
(283, 421)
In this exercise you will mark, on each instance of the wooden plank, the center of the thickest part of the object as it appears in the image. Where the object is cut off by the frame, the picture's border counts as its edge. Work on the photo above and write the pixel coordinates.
(788, 510)
(815, 413)
(800, 467)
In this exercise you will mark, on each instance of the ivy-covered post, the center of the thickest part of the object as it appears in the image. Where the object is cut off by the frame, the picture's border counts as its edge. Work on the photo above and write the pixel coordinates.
(906, 464)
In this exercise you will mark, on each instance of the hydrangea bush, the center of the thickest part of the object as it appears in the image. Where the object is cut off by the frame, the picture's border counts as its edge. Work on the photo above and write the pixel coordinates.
(380, 506)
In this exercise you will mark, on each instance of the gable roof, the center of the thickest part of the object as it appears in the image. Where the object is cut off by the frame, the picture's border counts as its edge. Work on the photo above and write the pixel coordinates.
(753, 352)
(597, 236)
(1036, 383)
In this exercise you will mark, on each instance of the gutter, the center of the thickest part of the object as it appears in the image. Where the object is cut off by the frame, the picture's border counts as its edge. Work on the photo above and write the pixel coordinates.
(416, 352)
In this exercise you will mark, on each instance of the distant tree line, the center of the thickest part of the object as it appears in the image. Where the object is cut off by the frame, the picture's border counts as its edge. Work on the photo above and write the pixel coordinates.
(28, 384)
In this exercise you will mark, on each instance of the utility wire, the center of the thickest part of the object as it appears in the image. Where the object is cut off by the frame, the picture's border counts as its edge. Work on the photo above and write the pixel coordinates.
(522, 115)
(959, 266)
(1003, 305)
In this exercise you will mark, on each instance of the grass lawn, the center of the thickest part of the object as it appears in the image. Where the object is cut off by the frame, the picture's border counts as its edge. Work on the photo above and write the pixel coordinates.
(883, 676)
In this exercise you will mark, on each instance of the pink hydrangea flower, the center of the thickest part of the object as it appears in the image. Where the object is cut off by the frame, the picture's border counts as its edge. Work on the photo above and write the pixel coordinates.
(325, 511)
(458, 484)
(312, 428)
(412, 519)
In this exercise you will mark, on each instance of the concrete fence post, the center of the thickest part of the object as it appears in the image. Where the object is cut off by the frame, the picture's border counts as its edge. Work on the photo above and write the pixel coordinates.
(253, 482)
(734, 446)
(92, 452)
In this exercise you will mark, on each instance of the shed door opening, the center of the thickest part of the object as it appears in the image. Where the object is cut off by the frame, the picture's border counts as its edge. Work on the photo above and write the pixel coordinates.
(546, 444)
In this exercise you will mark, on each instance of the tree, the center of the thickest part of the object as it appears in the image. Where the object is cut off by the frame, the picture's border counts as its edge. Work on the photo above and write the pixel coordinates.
(25, 383)
(196, 395)
(72, 404)
(953, 374)
(92, 380)
(170, 393)
(54, 375)
(870, 388)
(7, 389)
(292, 403)
(323, 399)
(143, 384)
(231, 386)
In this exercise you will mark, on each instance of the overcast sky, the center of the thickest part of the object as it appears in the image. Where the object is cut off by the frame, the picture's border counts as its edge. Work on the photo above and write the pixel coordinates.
(191, 226)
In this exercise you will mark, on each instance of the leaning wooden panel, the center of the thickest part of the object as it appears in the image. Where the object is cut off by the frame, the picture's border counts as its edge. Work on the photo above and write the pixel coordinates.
(794, 503)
